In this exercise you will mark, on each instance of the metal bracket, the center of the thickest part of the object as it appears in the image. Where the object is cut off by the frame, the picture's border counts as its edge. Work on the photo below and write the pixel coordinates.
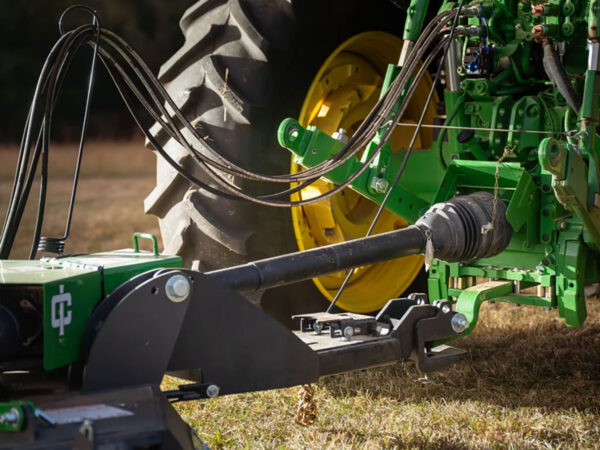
(469, 301)
(419, 326)
(134, 343)
(141, 332)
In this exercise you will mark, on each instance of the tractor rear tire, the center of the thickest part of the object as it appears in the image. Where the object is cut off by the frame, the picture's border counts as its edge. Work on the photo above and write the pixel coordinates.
(245, 65)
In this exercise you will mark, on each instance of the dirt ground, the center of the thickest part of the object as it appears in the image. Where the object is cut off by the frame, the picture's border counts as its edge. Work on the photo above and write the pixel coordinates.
(528, 381)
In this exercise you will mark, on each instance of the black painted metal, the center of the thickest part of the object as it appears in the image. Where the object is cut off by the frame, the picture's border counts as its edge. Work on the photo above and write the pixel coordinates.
(133, 344)
(371, 353)
(236, 345)
(395, 309)
(240, 348)
(433, 329)
(138, 333)
(99, 315)
(151, 422)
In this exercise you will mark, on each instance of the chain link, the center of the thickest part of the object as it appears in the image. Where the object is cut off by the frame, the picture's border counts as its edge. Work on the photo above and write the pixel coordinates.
(508, 150)
(307, 411)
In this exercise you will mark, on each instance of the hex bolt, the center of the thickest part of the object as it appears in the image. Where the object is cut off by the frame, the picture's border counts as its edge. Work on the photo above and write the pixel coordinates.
(212, 391)
(341, 135)
(177, 288)
(348, 332)
(10, 417)
(318, 327)
(459, 323)
(446, 308)
(563, 225)
(379, 185)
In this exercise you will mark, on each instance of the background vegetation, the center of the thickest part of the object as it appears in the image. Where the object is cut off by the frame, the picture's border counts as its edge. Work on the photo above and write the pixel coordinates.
(29, 28)
(528, 380)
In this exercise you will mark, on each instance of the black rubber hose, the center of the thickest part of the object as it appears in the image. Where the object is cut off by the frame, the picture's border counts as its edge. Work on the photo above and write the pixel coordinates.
(558, 75)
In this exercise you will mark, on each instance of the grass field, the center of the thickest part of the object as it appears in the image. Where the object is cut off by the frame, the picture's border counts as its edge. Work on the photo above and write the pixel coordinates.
(528, 382)
(115, 178)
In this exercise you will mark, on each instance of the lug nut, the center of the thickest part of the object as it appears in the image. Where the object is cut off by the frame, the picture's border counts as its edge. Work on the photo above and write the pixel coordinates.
(459, 323)
(177, 288)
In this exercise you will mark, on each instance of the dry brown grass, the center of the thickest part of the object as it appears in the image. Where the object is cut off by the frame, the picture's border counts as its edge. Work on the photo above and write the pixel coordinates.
(115, 178)
(529, 382)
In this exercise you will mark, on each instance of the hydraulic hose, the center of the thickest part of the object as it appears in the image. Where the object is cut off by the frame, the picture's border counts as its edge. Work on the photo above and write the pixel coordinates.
(558, 75)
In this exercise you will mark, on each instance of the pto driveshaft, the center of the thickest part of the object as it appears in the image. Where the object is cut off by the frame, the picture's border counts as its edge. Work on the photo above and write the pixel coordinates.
(454, 231)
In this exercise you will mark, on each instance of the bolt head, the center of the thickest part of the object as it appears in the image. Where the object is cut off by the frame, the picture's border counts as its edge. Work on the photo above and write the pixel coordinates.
(177, 288)
(459, 323)
(446, 308)
(318, 327)
(341, 135)
(379, 185)
(348, 333)
(212, 391)
(10, 417)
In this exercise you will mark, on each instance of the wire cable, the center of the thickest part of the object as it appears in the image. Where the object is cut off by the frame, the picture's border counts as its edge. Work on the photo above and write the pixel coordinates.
(407, 154)
(138, 86)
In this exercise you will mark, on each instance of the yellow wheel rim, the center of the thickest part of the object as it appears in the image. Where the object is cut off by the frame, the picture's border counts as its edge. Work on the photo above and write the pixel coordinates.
(345, 89)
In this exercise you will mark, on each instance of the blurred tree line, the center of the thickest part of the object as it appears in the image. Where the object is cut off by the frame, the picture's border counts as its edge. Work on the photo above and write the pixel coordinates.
(29, 29)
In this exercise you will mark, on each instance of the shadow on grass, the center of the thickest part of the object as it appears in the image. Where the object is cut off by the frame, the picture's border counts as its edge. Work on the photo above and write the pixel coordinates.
(518, 357)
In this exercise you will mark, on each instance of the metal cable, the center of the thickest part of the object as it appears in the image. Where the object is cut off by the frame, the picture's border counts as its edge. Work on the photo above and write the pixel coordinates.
(164, 111)
(407, 154)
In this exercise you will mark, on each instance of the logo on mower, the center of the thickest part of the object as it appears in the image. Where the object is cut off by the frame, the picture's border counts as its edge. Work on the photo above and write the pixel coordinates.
(59, 317)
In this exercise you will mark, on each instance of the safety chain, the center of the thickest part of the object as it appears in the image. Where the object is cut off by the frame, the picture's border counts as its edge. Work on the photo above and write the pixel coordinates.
(490, 226)
(307, 411)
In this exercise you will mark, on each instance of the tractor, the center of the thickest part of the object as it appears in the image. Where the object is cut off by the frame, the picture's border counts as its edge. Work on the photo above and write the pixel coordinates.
(340, 185)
